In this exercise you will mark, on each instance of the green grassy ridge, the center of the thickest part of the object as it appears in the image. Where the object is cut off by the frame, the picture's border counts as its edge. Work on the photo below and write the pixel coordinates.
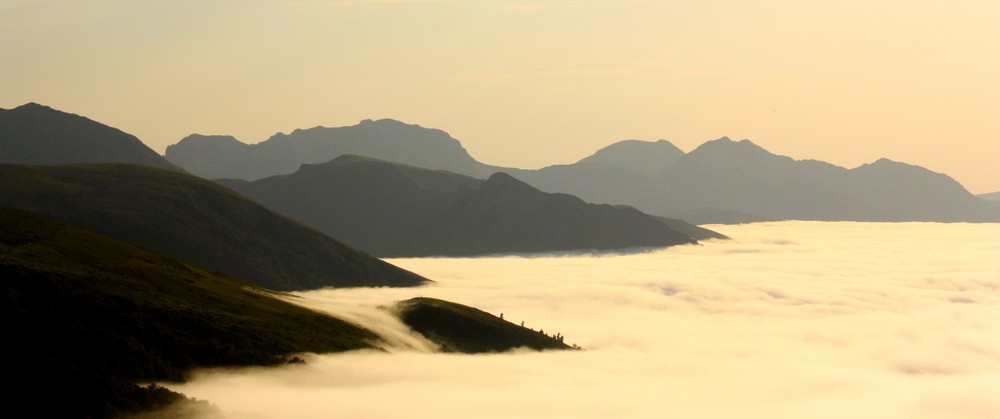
(85, 316)
(194, 220)
(460, 328)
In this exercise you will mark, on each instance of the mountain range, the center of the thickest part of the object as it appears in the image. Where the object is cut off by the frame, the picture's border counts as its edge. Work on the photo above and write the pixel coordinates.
(395, 210)
(721, 181)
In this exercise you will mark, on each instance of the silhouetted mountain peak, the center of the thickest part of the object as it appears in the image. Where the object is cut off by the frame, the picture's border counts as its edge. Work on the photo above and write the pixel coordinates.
(32, 106)
(385, 139)
(501, 181)
(642, 156)
(201, 138)
(37, 134)
(725, 149)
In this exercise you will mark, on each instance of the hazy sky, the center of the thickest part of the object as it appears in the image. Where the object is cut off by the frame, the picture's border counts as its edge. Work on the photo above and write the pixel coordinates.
(787, 320)
(532, 83)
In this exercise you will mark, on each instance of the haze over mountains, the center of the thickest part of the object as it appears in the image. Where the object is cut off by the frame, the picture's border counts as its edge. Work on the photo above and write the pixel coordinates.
(720, 181)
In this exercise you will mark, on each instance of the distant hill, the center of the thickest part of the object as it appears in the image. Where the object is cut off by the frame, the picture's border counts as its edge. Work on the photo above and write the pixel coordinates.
(744, 178)
(642, 156)
(722, 181)
(993, 196)
(725, 181)
(214, 157)
(197, 221)
(36, 134)
(85, 317)
(459, 328)
(395, 210)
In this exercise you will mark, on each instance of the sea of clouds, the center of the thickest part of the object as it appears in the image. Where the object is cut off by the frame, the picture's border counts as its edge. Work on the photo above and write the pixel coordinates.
(789, 319)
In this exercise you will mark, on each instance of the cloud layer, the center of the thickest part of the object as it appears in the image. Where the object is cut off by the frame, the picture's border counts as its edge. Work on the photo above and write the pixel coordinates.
(790, 319)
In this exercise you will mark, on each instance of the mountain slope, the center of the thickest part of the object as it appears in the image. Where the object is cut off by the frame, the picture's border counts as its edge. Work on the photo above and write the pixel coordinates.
(394, 210)
(194, 220)
(215, 157)
(36, 134)
(85, 317)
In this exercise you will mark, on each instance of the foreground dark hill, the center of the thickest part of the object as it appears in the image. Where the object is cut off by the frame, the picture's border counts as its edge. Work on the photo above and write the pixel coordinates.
(394, 210)
(215, 157)
(36, 134)
(197, 221)
(85, 317)
(460, 328)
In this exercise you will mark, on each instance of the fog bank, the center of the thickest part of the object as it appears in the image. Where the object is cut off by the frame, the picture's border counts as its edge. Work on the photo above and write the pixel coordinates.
(790, 319)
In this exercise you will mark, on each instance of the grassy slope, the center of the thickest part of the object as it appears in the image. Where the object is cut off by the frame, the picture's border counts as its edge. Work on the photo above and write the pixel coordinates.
(194, 220)
(459, 328)
(84, 316)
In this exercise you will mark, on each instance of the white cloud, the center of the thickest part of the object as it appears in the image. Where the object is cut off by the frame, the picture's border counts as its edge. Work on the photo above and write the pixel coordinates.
(792, 319)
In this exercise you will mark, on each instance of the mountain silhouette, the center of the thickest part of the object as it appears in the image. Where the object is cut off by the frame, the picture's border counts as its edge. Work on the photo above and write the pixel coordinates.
(215, 157)
(395, 210)
(721, 181)
(194, 220)
(642, 156)
(36, 134)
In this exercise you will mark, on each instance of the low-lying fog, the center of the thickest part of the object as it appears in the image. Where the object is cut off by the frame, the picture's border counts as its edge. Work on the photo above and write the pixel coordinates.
(791, 319)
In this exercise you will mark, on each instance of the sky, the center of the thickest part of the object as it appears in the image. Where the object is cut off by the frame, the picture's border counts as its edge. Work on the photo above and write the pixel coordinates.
(532, 83)
(787, 320)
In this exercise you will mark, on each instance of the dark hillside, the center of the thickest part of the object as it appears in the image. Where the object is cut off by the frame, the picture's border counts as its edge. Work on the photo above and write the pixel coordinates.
(197, 221)
(36, 134)
(84, 317)
(395, 210)
(459, 328)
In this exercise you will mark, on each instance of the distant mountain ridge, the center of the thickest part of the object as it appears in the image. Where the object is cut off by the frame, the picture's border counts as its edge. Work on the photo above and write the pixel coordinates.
(37, 134)
(197, 221)
(214, 157)
(395, 210)
(721, 181)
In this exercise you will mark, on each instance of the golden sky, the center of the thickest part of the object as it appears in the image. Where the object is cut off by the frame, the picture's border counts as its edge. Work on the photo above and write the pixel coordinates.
(532, 83)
